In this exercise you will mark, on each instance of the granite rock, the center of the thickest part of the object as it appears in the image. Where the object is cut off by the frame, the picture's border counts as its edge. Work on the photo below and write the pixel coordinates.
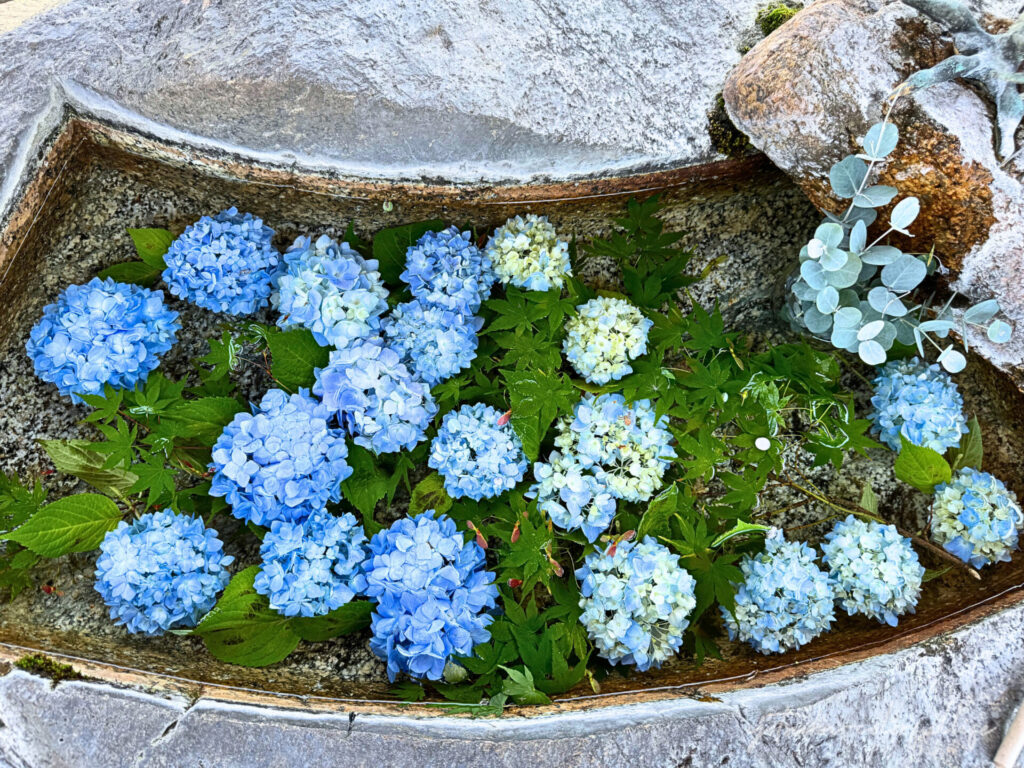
(805, 94)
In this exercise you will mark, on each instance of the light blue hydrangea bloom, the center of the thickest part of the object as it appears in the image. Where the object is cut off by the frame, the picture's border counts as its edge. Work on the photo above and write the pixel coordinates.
(874, 570)
(282, 461)
(313, 567)
(477, 454)
(446, 269)
(572, 496)
(919, 401)
(434, 343)
(603, 337)
(976, 518)
(433, 595)
(378, 401)
(636, 602)
(163, 571)
(785, 600)
(223, 263)
(331, 290)
(627, 447)
(528, 253)
(103, 332)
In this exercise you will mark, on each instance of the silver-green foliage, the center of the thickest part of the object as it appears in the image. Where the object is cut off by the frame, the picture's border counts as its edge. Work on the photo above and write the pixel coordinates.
(858, 294)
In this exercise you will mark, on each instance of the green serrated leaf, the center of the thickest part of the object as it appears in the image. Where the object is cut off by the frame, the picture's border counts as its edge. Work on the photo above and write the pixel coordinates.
(349, 618)
(971, 451)
(741, 527)
(151, 245)
(242, 628)
(136, 272)
(390, 245)
(655, 521)
(203, 419)
(520, 688)
(76, 457)
(73, 524)
(294, 355)
(921, 467)
(367, 485)
(429, 493)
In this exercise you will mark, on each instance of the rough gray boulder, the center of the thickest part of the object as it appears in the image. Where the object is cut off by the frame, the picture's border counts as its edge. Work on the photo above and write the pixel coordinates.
(807, 92)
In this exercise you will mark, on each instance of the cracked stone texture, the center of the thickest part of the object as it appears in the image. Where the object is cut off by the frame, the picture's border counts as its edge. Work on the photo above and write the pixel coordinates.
(939, 704)
(453, 89)
(805, 94)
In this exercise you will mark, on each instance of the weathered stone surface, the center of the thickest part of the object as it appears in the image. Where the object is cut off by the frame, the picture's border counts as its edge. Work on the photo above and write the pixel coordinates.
(940, 704)
(806, 93)
(454, 89)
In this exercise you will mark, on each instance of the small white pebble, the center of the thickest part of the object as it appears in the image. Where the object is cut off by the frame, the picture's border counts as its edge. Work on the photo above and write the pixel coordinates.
(762, 443)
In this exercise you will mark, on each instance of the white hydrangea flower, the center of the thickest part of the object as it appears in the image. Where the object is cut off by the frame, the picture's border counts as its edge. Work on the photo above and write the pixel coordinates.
(527, 253)
(603, 337)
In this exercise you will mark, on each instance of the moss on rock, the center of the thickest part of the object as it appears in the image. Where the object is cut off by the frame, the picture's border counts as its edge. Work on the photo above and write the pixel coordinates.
(774, 16)
(44, 666)
(726, 138)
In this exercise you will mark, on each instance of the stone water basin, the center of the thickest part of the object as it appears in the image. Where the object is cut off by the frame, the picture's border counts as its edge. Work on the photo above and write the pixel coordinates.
(96, 179)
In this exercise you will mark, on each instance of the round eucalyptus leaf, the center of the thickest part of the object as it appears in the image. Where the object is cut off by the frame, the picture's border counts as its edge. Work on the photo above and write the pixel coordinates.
(803, 291)
(871, 352)
(848, 298)
(813, 274)
(817, 322)
(887, 335)
(834, 259)
(848, 317)
(904, 274)
(830, 234)
(858, 237)
(886, 302)
(870, 330)
(880, 140)
(876, 196)
(952, 360)
(815, 248)
(828, 300)
(881, 255)
(982, 312)
(905, 332)
(904, 213)
(999, 332)
(844, 338)
(847, 276)
(847, 175)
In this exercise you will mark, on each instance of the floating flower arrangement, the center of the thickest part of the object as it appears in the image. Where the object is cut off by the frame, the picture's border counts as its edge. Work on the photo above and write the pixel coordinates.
(581, 472)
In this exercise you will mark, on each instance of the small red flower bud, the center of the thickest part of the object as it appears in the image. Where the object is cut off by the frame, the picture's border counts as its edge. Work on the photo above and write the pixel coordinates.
(515, 583)
(515, 533)
(503, 419)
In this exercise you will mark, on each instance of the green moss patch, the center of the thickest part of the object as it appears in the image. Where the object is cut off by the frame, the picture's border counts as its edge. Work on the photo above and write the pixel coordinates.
(44, 666)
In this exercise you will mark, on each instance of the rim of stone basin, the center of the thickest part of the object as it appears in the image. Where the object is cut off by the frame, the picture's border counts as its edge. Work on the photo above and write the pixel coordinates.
(102, 125)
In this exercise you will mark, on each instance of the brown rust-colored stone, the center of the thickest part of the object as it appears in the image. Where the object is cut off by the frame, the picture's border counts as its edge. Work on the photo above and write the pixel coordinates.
(802, 101)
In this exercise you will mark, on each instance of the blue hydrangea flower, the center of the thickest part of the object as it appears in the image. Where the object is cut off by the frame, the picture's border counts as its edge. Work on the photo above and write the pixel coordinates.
(446, 269)
(603, 337)
(572, 496)
(785, 600)
(223, 263)
(627, 447)
(874, 570)
(636, 602)
(434, 343)
(103, 332)
(331, 290)
(313, 567)
(920, 402)
(378, 401)
(163, 571)
(282, 461)
(433, 593)
(477, 453)
(976, 518)
(528, 253)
